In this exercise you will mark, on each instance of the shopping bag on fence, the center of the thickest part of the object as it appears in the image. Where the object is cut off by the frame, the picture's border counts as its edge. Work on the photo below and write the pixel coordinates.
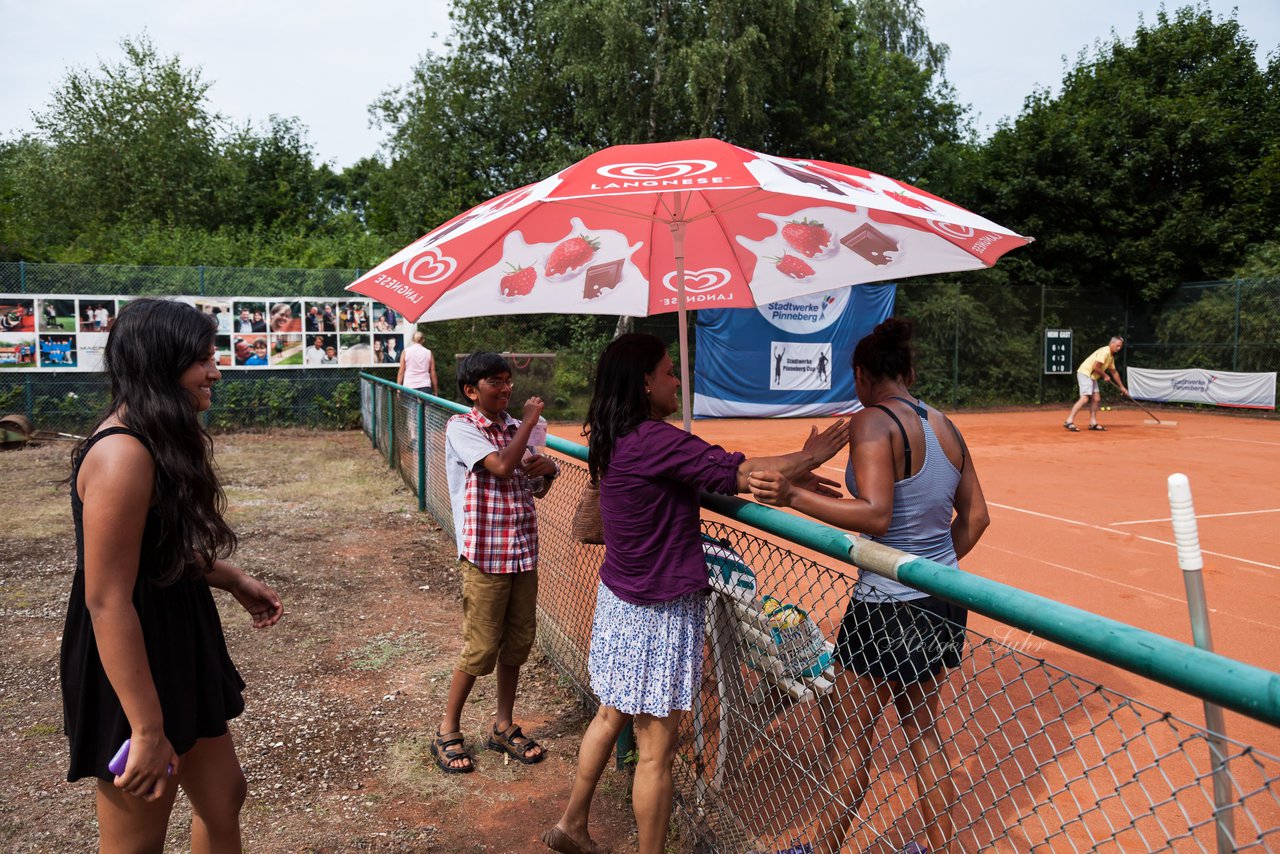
(726, 573)
(801, 647)
(587, 527)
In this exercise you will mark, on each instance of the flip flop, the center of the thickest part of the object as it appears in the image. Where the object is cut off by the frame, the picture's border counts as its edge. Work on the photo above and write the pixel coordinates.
(1097, 427)
(557, 840)
(1073, 428)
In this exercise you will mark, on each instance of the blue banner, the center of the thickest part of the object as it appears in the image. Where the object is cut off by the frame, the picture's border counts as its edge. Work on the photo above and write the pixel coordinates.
(789, 358)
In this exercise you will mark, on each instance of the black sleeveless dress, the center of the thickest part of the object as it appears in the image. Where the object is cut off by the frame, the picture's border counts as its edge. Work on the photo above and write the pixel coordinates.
(198, 685)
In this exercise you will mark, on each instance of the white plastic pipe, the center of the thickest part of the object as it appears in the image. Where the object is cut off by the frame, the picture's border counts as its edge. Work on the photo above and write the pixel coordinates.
(1187, 537)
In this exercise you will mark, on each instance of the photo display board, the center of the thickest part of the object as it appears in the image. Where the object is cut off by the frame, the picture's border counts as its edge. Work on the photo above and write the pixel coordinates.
(60, 332)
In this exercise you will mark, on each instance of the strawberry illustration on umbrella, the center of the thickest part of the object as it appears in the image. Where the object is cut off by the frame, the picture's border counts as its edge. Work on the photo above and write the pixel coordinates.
(571, 255)
(518, 282)
(807, 236)
(790, 265)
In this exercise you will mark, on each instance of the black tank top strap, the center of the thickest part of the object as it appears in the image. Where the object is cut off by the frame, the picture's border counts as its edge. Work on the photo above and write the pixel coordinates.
(906, 445)
(916, 406)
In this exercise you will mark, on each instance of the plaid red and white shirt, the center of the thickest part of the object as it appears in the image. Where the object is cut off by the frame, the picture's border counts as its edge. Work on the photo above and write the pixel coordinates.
(495, 522)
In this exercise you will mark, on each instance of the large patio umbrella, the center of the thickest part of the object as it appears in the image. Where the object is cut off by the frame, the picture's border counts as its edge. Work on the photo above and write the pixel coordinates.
(645, 229)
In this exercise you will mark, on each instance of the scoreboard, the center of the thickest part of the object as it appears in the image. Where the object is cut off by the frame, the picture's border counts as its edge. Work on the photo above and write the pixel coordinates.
(1057, 351)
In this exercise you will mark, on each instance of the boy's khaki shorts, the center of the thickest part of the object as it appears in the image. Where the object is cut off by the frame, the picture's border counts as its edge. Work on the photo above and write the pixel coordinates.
(499, 618)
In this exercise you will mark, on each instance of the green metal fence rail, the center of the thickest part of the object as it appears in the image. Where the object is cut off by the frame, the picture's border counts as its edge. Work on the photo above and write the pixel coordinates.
(1041, 759)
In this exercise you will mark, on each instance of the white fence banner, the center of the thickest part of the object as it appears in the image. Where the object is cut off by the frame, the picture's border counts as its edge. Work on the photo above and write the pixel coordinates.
(1219, 388)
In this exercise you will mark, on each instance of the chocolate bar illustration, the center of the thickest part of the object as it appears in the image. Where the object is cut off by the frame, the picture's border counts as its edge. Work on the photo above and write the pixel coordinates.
(870, 243)
(441, 235)
(807, 177)
(601, 277)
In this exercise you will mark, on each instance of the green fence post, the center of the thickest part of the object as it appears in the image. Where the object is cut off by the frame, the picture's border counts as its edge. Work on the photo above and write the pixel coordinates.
(1043, 339)
(625, 746)
(422, 454)
(1235, 345)
(373, 415)
(391, 430)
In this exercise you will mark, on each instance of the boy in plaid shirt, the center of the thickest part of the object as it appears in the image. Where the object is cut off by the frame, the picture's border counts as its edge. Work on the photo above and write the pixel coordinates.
(492, 485)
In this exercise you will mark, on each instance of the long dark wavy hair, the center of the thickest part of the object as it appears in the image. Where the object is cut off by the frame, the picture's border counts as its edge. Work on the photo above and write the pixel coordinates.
(618, 402)
(151, 344)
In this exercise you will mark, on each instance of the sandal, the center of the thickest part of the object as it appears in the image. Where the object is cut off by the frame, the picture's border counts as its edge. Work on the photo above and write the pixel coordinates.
(1097, 427)
(1073, 428)
(516, 744)
(557, 840)
(447, 750)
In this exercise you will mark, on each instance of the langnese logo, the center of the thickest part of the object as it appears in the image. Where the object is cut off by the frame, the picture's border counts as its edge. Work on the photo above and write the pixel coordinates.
(701, 287)
(657, 171)
(428, 268)
(951, 229)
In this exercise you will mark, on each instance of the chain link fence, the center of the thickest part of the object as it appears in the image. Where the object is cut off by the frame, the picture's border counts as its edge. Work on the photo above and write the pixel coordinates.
(977, 345)
(1029, 756)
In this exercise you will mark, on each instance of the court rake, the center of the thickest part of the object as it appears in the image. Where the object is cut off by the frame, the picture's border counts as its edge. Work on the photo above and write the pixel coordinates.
(1153, 421)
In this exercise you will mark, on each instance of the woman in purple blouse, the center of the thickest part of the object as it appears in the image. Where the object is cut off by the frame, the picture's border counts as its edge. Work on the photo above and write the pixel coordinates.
(646, 641)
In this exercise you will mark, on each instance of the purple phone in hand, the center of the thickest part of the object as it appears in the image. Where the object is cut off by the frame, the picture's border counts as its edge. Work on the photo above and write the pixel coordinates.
(121, 759)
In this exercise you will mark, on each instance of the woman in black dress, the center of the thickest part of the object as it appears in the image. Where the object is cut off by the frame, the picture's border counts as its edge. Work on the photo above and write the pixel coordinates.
(143, 655)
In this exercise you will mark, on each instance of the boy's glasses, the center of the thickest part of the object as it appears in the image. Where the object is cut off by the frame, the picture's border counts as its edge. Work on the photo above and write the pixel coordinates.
(494, 382)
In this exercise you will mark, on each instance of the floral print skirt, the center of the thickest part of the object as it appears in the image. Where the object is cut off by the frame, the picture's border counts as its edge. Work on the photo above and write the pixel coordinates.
(647, 659)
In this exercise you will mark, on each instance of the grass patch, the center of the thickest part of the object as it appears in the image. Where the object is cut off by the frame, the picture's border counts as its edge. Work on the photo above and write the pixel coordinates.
(381, 650)
(41, 730)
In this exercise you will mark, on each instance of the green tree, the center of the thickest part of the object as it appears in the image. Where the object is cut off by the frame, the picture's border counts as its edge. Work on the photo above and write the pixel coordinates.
(131, 166)
(1157, 164)
(526, 87)
(135, 140)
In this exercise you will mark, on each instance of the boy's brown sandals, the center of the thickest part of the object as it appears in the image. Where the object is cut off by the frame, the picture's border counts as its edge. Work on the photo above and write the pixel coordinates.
(516, 744)
(447, 749)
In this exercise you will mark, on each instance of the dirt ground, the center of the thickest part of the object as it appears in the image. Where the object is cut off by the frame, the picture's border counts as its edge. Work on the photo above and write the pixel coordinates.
(342, 694)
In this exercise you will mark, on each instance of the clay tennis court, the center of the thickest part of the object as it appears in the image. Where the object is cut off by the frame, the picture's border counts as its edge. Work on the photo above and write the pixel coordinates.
(1083, 518)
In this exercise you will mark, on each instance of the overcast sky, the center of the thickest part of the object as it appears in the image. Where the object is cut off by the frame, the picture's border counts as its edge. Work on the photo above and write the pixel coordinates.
(325, 62)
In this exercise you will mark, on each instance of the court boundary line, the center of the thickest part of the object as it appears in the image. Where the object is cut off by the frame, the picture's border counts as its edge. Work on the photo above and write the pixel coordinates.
(1232, 439)
(1111, 580)
(1127, 534)
(1200, 516)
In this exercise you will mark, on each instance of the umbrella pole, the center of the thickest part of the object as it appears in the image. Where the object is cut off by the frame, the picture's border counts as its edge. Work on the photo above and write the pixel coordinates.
(677, 238)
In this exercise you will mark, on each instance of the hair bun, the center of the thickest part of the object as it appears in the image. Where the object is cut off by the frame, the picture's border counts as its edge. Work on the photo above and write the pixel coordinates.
(895, 330)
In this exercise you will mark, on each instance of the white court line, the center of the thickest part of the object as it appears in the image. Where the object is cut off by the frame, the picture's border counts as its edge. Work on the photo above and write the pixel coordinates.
(1110, 580)
(1199, 516)
(1138, 536)
(1225, 439)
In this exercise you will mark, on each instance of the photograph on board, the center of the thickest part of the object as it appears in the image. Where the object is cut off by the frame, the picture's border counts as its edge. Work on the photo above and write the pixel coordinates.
(58, 351)
(285, 316)
(354, 350)
(57, 315)
(17, 350)
(17, 315)
(286, 350)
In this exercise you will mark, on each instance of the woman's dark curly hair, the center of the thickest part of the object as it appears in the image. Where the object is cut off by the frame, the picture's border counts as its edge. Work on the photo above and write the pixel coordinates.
(887, 352)
(151, 344)
(618, 402)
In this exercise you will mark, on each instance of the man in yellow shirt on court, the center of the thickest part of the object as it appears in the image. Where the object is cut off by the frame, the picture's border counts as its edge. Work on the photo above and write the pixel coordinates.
(1098, 365)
